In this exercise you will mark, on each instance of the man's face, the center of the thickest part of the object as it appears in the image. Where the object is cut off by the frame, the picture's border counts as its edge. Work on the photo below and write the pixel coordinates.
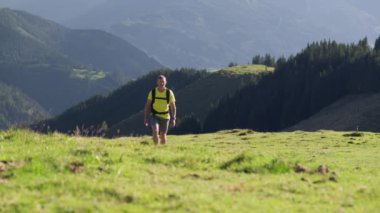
(161, 81)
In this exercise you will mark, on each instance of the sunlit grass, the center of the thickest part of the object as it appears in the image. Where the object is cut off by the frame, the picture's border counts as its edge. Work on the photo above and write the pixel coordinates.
(228, 171)
(88, 74)
(249, 69)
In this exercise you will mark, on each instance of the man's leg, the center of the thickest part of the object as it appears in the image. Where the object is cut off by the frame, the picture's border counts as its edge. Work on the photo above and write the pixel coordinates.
(163, 127)
(154, 125)
(155, 134)
(163, 137)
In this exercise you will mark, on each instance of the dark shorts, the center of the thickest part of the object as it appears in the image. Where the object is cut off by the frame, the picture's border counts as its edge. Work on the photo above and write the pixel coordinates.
(163, 124)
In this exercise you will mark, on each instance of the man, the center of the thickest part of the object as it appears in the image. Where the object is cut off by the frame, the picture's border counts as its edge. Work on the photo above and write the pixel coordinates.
(156, 113)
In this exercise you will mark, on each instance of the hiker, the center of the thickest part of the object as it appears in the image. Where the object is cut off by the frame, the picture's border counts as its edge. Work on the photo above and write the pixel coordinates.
(157, 113)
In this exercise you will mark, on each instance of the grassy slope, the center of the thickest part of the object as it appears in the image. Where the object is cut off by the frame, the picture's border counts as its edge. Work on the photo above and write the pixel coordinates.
(201, 95)
(194, 173)
(346, 114)
(249, 69)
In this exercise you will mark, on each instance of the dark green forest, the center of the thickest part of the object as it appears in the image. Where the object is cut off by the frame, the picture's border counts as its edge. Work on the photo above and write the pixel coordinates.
(300, 86)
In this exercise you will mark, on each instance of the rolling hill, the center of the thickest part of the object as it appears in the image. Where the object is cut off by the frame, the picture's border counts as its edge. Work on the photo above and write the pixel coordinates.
(196, 92)
(16, 108)
(195, 100)
(59, 67)
(117, 106)
(302, 86)
(350, 113)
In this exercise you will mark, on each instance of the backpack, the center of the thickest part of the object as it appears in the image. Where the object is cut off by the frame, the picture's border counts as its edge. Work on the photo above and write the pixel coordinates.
(167, 98)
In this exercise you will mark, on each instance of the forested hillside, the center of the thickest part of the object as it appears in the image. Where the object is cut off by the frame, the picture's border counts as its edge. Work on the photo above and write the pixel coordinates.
(121, 113)
(90, 115)
(16, 108)
(301, 86)
(196, 99)
(59, 67)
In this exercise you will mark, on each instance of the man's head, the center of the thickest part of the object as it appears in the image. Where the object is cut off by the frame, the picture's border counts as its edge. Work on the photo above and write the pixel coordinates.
(161, 81)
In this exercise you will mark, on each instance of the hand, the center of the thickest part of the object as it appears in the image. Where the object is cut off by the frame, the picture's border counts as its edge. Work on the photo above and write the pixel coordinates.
(172, 122)
(146, 122)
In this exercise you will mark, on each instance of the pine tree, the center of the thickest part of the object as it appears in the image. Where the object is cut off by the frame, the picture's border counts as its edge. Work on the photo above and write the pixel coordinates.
(377, 44)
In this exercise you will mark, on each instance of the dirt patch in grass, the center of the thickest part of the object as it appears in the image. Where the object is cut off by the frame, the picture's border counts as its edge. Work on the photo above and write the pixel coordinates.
(354, 134)
(246, 132)
(321, 170)
(198, 177)
(299, 168)
(81, 152)
(144, 142)
(7, 167)
(76, 167)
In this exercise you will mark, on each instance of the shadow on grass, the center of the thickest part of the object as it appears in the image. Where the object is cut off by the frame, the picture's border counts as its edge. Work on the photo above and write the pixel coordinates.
(248, 163)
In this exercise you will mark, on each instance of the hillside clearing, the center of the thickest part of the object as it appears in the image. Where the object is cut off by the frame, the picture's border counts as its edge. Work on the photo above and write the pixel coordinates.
(234, 170)
(249, 69)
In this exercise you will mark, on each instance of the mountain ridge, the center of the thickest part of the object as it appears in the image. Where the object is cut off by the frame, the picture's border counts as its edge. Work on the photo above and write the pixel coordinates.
(212, 33)
(42, 59)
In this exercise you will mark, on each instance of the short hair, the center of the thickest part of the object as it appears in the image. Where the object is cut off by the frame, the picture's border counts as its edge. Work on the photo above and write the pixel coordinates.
(161, 77)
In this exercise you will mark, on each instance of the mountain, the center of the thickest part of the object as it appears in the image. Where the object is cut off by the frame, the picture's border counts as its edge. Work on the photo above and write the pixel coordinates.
(95, 48)
(212, 33)
(301, 86)
(58, 11)
(349, 113)
(59, 67)
(17, 108)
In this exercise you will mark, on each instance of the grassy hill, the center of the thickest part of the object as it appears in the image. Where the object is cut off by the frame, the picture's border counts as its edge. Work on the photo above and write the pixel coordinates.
(122, 111)
(301, 86)
(42, 58)
(18, 108)
(349, 113)
(249, 69)
(228, 171)
(119, 105)
(199, 97)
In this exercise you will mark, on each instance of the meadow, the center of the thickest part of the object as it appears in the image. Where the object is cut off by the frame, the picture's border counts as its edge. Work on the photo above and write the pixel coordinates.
(249, 69)
(227, 171)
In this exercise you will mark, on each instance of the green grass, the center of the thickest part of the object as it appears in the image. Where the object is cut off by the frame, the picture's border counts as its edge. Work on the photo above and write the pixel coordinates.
(228, 171)
(88, 74)
(249, 69)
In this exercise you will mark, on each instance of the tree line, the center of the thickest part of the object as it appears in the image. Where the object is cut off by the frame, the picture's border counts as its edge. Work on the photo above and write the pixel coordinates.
(300, 86)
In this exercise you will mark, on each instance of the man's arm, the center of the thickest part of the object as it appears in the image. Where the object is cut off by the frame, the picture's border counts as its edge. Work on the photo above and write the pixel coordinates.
(173, 111)
(147, 112)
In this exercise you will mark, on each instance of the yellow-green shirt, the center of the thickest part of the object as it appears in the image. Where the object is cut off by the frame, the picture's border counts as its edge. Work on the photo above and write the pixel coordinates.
(161, 105)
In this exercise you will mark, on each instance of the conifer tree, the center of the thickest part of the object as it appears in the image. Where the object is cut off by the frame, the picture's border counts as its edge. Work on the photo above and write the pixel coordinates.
(377, 44)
